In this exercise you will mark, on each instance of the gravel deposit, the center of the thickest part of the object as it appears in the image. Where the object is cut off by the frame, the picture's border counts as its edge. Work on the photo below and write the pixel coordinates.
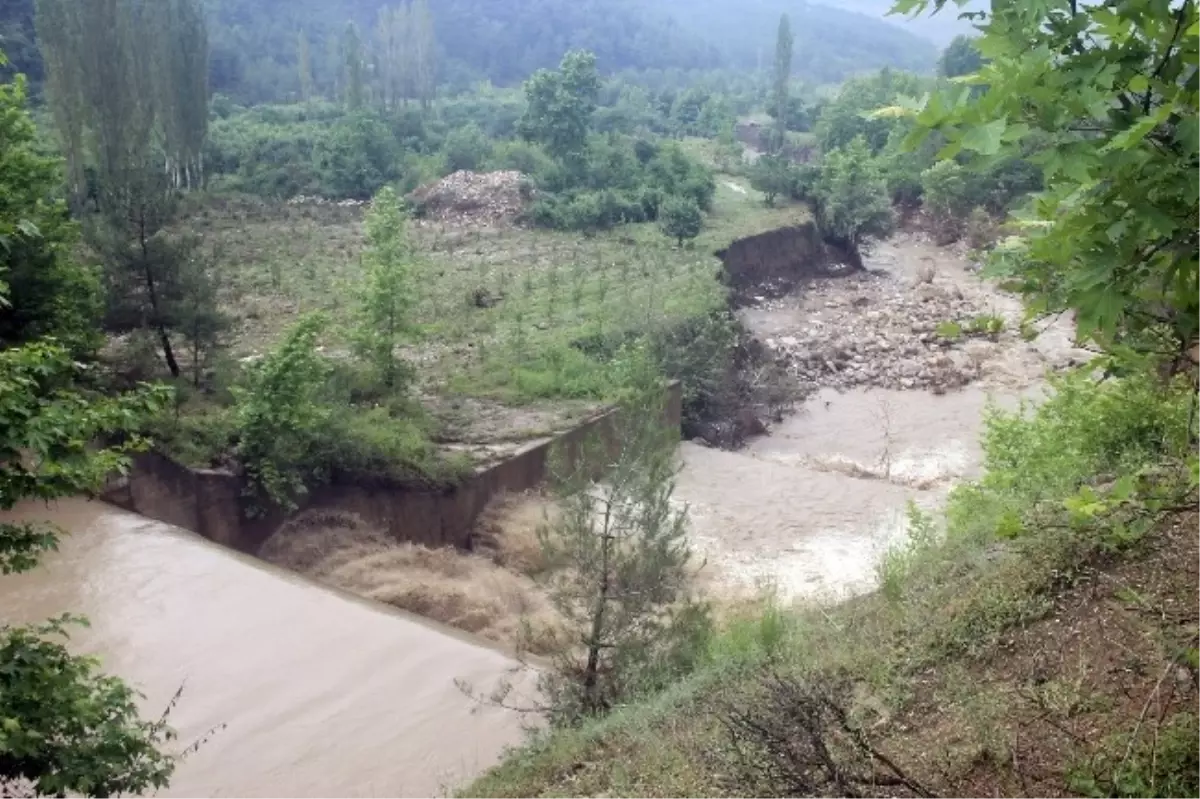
(874, 330)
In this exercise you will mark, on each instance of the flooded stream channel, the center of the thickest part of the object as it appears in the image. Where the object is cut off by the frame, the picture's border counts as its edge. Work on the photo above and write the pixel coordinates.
(320, 694)
(808, 510)
(323, 694)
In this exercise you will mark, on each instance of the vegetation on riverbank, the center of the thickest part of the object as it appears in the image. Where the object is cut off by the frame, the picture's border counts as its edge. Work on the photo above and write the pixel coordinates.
(1040, 637)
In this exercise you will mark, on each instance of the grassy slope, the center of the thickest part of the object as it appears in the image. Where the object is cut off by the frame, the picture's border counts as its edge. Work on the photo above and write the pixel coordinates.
(1025, 652)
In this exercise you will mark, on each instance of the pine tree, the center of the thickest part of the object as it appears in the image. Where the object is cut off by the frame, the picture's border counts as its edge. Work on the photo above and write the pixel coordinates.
(624, 591)
(783, 75)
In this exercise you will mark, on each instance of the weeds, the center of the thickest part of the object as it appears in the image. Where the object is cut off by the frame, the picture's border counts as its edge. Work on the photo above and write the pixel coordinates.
(805, 700)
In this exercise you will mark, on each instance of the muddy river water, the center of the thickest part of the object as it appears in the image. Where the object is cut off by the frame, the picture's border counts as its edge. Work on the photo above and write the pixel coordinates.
(808, 511)
(322, 694)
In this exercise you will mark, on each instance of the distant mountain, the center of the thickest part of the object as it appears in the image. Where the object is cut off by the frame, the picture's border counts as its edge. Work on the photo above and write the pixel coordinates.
(505, 41)
(255, 42)
(831, 43)
(939, 28)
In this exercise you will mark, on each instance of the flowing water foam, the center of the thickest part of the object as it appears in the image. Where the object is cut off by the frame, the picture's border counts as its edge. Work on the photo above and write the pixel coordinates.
(320, 694)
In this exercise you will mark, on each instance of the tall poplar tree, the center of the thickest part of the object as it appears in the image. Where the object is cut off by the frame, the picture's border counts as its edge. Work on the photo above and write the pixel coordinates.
(128, 82)
(304, 65)
(354, 66)
(783, 75)
(390, 54)
(422, 47)
(180, 77)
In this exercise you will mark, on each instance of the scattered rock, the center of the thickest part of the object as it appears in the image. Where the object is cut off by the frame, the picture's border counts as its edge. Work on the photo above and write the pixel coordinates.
(312, 199)
(875, 330)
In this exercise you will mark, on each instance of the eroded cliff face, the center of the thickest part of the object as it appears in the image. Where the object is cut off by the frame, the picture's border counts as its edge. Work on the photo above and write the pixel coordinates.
(773, 263)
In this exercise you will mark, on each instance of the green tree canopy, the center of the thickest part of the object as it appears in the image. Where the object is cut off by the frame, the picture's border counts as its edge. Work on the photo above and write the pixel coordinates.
(1112, 89)
(49, 293)
(959, 58)
(680, 218)
(846, 115)
(561, 103)
(852, 196)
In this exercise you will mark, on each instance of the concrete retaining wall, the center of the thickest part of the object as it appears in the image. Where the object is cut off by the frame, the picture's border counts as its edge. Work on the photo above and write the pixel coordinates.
(212, 503)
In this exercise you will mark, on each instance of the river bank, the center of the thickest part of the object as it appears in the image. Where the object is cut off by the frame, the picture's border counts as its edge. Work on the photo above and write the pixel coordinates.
(894, 414)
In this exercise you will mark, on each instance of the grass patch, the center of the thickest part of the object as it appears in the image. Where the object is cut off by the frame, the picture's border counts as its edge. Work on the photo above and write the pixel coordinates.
(504, 314)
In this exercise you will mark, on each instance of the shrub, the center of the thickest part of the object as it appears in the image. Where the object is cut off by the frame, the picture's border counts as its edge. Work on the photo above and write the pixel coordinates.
(356, 157)
(944, 194)
(466, 148)
(523, 156)
(772, 175)
(980, 229)
(680, 218)
(1084, 431)
(851, 196)
(279, 413)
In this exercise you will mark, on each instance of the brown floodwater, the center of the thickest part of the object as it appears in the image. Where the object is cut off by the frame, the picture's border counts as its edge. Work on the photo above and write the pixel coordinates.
(321, 694)
(809, 511)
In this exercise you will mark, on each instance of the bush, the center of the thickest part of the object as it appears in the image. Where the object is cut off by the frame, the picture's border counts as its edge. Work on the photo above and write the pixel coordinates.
(851, 196)
(680, 218)
(279, 413)
(380, 443)
(773, 176)
(523, 156)
(944, 195)
(466, 148)
(356, 157)
(1085, 431)
(980, 229)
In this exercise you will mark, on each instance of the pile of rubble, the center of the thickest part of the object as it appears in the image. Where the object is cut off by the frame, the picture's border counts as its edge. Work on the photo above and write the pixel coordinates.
(870, 330)
(312, 199)
(476, 199)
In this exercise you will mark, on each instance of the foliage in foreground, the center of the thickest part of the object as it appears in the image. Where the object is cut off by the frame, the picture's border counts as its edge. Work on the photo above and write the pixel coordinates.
(49, 293)
(64, 726)
(1114, 90)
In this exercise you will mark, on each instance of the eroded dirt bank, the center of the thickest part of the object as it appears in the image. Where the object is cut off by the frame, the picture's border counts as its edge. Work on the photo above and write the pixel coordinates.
(893, 414)
(320, 694)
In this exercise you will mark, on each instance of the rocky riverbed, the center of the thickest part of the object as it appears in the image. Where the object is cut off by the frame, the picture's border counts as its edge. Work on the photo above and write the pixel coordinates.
(918, 318)
(893, 415)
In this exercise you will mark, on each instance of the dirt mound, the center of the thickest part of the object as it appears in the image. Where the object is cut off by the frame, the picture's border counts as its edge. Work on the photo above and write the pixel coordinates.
(772, 264)
(478, 199)
(465, 591)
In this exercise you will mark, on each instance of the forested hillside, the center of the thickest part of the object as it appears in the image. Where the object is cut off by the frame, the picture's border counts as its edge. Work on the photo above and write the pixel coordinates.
(830, 43)
(940, 27)
(256, 45)
(503, 43)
